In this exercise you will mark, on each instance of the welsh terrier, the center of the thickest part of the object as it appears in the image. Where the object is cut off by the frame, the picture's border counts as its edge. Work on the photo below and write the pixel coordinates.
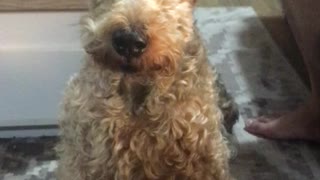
(146, 105)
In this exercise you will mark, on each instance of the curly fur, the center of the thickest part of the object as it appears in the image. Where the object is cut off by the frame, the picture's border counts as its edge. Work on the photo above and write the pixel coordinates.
(162, 122)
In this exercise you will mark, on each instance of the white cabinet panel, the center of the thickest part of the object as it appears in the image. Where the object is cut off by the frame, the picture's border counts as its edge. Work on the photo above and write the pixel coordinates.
(38, 54)
(31, 85)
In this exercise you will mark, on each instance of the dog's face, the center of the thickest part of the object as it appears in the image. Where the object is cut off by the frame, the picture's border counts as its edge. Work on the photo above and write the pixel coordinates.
(138, 35)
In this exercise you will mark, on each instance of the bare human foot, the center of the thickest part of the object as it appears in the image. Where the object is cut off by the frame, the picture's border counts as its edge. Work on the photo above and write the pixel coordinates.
(302, 124)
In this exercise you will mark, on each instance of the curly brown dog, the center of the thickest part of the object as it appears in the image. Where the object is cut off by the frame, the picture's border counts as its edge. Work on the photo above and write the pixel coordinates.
(146, 105)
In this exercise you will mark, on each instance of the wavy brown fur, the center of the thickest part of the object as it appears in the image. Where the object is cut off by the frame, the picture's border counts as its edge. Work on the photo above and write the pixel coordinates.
(162, 122)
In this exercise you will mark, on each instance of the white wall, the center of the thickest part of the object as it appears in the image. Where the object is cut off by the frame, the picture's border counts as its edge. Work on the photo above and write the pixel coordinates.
(38, 53)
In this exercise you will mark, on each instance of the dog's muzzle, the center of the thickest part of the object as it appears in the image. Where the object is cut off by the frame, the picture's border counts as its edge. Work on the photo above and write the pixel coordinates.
(129, 44)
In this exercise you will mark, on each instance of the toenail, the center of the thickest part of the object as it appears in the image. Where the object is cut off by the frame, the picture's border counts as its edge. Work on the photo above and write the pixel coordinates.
(249, 122)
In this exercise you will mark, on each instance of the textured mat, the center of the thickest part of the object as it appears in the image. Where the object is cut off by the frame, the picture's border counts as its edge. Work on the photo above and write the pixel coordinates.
(254, 71)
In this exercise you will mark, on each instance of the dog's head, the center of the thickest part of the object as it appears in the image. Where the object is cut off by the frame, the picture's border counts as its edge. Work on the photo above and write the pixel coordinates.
(138, 35)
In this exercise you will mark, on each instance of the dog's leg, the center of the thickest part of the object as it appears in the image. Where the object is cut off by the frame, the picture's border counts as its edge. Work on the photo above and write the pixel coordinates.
(230, 113)
(226, 103)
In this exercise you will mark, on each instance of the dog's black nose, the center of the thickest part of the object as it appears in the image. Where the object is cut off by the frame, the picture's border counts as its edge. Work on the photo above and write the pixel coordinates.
(128, 43)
